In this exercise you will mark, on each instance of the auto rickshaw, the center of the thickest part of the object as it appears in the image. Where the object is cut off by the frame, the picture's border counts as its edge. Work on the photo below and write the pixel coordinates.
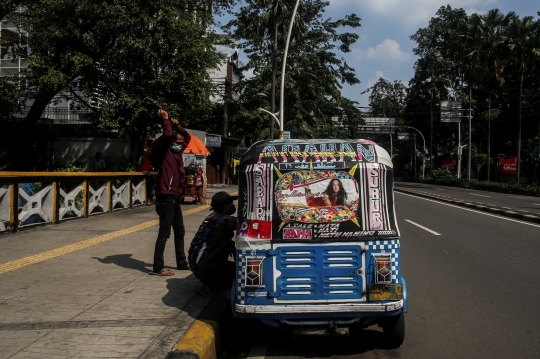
(318, 245)
(194, 184)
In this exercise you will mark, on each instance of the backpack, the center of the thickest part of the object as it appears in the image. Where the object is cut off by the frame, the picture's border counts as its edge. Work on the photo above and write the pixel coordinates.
(198, 244)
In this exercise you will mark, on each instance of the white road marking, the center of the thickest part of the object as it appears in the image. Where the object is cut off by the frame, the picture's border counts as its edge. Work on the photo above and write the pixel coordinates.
(536, 204)
(258, 351)
(480, 195)
(424, 228)
(440, 189)
(471, 210)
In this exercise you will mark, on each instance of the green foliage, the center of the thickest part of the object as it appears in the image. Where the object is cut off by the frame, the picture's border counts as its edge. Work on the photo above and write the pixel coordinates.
(71, 168)
(120, 61)
(488, 62)
(122, 165)
(387, 98)
(313, 105)
(442, 174)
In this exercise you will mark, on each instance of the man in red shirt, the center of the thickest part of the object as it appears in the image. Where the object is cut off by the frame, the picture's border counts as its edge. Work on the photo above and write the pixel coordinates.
(167, 157)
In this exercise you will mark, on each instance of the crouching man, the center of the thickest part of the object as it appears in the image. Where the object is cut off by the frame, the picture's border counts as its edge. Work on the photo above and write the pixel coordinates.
(208, 254)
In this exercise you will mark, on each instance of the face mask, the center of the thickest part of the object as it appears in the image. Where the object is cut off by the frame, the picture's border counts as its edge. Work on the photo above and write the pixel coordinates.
(232, 209)
(176, 148)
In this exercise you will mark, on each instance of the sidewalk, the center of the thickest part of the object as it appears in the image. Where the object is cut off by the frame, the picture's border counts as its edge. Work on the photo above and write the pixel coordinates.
(82, 290)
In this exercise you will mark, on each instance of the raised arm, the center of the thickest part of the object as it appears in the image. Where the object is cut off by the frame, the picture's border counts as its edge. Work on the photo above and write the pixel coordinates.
(167, 127)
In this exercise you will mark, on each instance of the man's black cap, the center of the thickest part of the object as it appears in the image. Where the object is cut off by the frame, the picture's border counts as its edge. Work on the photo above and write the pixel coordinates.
(219, 199)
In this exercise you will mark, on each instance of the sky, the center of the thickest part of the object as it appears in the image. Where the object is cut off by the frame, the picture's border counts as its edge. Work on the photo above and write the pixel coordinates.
(384, 48)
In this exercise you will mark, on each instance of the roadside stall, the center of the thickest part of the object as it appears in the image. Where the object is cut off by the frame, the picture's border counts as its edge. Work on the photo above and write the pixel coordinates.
(195, 183)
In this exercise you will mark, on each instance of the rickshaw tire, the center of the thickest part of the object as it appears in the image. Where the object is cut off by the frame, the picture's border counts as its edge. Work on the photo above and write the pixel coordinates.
(394, 330)
(200, 197)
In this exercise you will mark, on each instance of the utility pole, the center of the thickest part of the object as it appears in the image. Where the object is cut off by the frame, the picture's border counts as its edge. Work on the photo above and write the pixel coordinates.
(414, 155)
(424, 156)
(226, 109)
(431, 136)
(469, 139)
(273, 91)
(282, 89)
(459, 150)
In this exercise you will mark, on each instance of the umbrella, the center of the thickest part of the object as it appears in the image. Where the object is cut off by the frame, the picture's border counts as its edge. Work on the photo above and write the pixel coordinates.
(196, 147)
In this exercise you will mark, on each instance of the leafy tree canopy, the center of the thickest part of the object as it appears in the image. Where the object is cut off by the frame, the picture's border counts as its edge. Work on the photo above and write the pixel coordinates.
(314, 106)
(120, 60)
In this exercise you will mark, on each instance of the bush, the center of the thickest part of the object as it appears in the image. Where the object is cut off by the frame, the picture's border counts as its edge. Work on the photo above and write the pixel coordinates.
(72, 168)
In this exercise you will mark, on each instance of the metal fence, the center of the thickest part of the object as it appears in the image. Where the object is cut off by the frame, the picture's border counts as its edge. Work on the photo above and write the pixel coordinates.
(30, 198)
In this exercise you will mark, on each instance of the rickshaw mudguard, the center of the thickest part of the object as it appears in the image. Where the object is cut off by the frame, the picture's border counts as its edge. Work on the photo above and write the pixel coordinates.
(317, 236)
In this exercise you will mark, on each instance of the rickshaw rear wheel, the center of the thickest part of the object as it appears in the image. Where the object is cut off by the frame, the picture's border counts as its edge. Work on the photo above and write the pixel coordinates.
(200, 196)
(394, 330)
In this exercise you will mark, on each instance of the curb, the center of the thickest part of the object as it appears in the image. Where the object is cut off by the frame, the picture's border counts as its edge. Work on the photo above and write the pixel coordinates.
(501, 211)
(202, 340)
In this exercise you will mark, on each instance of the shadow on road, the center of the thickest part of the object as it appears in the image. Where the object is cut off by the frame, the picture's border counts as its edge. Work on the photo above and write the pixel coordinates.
(247, 333)
(125, 261)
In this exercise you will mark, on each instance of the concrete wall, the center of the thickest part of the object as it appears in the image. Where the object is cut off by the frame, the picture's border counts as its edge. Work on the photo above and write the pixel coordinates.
(81, 151)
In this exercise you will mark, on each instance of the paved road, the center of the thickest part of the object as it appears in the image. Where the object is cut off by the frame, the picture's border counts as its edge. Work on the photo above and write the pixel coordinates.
(514, 201)
(473, 291)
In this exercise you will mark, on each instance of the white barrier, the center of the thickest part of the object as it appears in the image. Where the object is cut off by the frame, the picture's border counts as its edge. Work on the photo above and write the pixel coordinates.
(42, 199)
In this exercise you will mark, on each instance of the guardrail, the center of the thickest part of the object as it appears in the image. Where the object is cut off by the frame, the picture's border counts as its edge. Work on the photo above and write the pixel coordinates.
(30, 198)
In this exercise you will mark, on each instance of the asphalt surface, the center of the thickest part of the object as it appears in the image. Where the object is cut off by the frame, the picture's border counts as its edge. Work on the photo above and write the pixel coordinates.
(473, 291)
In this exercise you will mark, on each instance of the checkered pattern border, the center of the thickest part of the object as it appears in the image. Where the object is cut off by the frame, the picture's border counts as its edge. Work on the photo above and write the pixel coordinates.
(241, 277)
(390, 247)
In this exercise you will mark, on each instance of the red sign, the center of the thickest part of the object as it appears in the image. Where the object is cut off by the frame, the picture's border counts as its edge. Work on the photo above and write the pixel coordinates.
(508, 166)
(450, 165)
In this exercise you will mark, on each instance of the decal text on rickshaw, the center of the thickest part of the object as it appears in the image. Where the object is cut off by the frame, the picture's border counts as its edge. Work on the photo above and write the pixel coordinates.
(323, 152)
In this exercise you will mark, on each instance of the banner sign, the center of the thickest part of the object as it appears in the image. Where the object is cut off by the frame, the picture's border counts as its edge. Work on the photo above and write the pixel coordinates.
(450, 111)
(508, 166)
(213, 141)
(450, 165)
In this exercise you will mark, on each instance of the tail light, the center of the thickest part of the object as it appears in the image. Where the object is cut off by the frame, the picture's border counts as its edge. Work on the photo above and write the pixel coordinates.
(254, 272)
(260, 229)
(383, 270)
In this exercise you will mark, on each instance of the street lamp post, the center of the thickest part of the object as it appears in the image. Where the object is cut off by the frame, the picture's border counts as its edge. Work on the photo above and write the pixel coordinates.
(271, 114)
(282, 90)
(424, 154)
(261, 95)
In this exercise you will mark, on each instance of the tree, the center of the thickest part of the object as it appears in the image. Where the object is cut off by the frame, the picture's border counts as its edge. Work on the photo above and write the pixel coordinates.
(387, 98)
(153, 66)
(129, 57)
(521, 42)
(456, 49)
(492, 27)
(313, 78)
(438, 70)
(262, 24)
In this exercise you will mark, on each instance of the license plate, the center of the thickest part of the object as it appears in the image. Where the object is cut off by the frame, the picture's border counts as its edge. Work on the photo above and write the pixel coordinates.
(385, 292)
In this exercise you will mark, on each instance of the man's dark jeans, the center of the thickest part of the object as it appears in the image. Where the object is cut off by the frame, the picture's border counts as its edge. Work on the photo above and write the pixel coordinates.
(170, 215)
